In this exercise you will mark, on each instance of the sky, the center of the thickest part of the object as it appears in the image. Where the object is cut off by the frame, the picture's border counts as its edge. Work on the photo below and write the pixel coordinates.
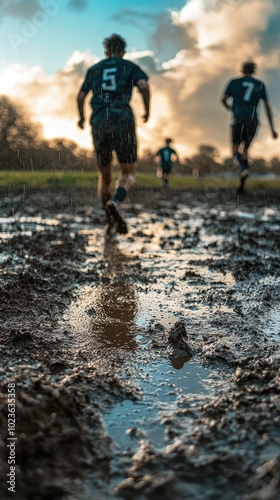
(190, 50)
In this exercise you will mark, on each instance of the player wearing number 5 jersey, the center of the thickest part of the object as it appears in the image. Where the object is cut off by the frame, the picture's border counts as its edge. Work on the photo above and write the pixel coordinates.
(111, 82)
(245, 94)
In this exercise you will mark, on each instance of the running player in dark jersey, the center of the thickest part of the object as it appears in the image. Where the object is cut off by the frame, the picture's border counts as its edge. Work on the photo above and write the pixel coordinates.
(245, 94)
(111, 82)
(166, 155)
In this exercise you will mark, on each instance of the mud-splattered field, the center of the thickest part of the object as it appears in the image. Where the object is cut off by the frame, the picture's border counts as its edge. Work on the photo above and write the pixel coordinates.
(147, 367)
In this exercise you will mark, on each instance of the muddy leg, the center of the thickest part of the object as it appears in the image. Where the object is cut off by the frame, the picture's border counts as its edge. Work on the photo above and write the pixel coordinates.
(164, 181)
(104, 184)
(125, 181)
(123, 185)
(243, 161)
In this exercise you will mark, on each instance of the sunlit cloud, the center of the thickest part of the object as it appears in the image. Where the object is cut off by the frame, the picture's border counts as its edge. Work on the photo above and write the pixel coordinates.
(209, 41)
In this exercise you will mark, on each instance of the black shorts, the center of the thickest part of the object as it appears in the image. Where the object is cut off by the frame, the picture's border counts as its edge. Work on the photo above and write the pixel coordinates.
(166, 169)
(242, 132)
(115, 132)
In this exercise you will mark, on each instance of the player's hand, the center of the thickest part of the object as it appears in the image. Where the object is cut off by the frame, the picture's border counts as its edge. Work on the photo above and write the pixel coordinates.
(81, 123)
(145, 117)
(274, 134)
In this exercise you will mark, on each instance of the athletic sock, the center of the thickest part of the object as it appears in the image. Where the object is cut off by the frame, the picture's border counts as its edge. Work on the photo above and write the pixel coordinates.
(119, 195)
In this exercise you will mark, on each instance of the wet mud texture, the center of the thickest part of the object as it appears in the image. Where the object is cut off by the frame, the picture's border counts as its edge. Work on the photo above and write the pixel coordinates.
(89, 326)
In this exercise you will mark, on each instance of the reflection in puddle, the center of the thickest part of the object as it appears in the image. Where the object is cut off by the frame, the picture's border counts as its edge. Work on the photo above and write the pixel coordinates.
(107, 316)
(161, 387)
(245, 215)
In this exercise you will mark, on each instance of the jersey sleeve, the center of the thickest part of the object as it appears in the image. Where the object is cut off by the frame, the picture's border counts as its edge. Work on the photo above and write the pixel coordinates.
(264, 93)
(138, 74)
(86, 86)
(229, 89)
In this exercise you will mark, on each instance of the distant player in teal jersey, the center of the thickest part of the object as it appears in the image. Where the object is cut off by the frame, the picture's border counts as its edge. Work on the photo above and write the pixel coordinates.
(245, 94)
(111, 82)
(166, 155)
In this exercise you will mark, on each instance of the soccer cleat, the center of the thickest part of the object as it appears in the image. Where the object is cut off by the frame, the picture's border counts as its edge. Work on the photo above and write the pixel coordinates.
(113, 210)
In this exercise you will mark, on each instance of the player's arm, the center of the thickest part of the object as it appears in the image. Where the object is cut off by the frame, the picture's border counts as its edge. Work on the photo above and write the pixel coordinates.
(144, 90)
(174, 156)
(224, 101)
(80, 102)
(177, 157)
(84, 90)
(270, 118)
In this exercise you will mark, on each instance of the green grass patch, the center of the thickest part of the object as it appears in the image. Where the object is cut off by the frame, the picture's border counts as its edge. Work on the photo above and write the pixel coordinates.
(41, 180)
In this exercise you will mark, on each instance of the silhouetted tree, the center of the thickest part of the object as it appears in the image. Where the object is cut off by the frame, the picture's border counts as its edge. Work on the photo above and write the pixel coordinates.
(18, 135)
(22, 147)
(274, 165)
(258, 165)
(204, 162)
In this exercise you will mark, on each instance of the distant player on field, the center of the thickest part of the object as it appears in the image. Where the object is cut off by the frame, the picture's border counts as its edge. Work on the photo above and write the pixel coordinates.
(166, 156)
(111, 82)
(245, 94)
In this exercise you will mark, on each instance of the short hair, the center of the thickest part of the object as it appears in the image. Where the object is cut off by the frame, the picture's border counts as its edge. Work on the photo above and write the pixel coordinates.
(114, 44)
(249, 67)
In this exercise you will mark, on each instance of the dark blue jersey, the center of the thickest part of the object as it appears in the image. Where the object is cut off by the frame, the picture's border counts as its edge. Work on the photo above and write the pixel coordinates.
(246, 93)
(111, 81)
(165, 155)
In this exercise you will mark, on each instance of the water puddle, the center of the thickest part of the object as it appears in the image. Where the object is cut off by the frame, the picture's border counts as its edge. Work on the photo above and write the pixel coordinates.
(161, 385)
(245, 215)
(116, 315)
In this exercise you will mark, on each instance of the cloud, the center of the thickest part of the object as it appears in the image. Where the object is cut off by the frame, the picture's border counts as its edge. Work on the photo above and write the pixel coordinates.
(51, 99)
(78, 4)
(25, 9)
(216, 36)
(147, 60)
(169, 38)
(19, 8)
(134, 17)
(166, 39)
(209, 40)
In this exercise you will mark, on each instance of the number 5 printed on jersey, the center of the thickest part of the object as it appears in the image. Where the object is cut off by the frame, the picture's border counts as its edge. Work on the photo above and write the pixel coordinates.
(249, 90)
(109, 81)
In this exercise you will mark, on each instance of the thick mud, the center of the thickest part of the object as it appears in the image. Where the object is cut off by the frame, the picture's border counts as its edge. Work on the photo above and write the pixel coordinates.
(146, 367)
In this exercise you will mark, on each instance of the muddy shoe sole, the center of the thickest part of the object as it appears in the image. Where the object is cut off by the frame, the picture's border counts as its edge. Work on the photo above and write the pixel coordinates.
(121, 225)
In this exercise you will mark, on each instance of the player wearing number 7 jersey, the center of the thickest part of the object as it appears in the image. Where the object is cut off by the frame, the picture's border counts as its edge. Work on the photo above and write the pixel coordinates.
(245, 94)
(111, 82)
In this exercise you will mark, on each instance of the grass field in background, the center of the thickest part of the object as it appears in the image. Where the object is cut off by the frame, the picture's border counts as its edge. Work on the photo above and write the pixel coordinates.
(41, 180)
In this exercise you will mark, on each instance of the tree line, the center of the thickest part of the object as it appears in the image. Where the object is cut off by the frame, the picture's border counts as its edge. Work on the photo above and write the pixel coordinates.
(22, 147)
